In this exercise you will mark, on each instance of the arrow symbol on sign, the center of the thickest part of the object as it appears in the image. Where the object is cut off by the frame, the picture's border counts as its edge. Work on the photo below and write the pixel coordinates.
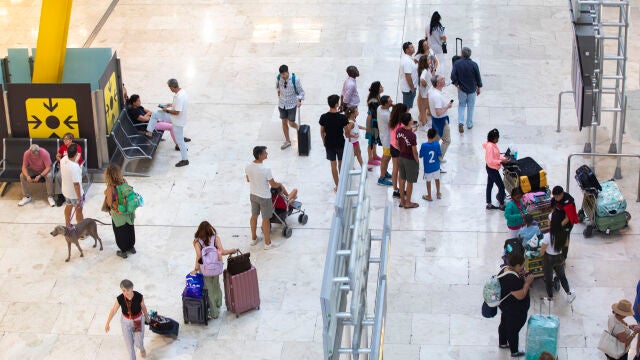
(37, 121)
(68, 121)
(51, 107)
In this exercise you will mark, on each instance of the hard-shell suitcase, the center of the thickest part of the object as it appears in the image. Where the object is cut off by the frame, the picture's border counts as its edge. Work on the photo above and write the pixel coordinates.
(455, 56)
(587, 179)
(612, 223)
(195, 310)
(542, 334)
(304, 137)
(610, 201)
(241, 292)
(530, 174)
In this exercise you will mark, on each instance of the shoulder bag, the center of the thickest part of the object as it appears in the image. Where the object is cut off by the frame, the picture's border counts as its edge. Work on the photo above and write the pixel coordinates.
(238, 263)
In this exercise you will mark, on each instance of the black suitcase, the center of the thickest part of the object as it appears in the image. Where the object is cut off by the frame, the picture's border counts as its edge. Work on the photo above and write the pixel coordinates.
(455, 56)
(304, 137)
(164, 326)
(195, 310)
(587, 179)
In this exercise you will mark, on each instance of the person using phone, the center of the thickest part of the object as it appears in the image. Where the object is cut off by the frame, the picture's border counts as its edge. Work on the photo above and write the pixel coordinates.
(439, 118)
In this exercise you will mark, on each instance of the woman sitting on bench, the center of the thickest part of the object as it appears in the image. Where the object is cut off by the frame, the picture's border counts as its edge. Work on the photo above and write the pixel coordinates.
(138, 114)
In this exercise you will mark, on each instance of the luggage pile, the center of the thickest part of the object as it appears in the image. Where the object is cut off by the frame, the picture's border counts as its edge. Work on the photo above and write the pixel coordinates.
(526, 174)
(603, 205)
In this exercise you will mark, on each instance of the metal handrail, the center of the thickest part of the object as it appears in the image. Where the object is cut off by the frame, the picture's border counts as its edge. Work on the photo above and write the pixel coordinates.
(594, 154)
(560, 106)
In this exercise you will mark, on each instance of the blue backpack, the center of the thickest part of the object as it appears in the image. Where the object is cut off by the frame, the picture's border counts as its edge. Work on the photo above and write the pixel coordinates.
(293, 81)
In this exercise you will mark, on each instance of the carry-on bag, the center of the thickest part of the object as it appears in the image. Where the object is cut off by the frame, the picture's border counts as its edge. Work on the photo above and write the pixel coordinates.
(542, 334)
(195, 310)
(304, 137)
(455, 56)
(610, 201)
(241, 292)
(531, 176)
(194, 284)
(163, 325)
(612, 223)
(238, 263)
(587, 179)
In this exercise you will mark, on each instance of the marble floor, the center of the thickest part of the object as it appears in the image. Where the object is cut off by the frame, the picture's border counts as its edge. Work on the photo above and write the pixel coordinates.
(226, 54)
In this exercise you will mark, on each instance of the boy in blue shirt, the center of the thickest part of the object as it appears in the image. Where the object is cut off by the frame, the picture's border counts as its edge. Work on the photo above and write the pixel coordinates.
(430, 152)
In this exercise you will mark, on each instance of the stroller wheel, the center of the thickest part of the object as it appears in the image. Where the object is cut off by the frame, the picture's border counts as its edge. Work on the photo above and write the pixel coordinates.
(286, 232)
(303, 218)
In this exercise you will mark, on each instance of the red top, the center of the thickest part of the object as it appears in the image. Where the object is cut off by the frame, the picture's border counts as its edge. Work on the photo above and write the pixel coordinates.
(63, 151)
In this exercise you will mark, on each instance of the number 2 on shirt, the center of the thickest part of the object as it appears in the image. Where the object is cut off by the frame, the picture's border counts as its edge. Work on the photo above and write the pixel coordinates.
(432, 155)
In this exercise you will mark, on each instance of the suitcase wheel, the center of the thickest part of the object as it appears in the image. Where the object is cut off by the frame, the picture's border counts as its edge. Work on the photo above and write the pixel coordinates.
(588, 231)
(303, 218)
(286, 232)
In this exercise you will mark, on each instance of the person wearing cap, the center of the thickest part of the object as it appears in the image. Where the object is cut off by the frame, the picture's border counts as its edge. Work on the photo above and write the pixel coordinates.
(619, 328)
(349, 97)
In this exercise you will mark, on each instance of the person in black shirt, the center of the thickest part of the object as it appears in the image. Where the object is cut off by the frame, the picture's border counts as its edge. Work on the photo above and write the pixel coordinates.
(515, 303)
(133, 308)
(139, 115)
(562, 202)
(332, 133)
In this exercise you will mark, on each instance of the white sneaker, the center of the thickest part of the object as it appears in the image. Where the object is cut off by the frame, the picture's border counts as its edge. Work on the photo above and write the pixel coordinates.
(255, 241)
(285, 145)
(51, 201)
(442, 169)
(571, 296)
(270, 246)
(443, 161)
(25, 200)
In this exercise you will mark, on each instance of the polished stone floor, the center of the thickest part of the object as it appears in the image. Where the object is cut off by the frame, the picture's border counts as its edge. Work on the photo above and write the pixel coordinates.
(226, 54)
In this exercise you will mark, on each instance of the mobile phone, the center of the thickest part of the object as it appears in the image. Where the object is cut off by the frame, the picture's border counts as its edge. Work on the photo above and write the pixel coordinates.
(451, 101)
(162, 106)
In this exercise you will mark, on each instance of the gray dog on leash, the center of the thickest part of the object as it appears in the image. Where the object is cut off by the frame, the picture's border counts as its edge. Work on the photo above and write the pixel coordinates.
(72, 234)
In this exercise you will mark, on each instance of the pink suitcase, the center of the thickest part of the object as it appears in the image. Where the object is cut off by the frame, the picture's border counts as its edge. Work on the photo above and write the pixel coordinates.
(241, 292)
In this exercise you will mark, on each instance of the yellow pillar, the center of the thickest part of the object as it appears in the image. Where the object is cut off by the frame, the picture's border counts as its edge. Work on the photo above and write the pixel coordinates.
(52, 41)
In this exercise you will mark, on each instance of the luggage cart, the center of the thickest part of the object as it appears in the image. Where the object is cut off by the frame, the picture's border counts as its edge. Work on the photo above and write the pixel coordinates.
(526, 168)
(589, 216)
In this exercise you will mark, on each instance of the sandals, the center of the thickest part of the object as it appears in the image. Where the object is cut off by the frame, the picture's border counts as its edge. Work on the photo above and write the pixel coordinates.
(427, 197)
(439, 196)
(411, 206)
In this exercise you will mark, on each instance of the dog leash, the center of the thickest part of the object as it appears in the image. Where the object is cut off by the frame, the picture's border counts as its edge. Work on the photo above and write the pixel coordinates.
(73, 213)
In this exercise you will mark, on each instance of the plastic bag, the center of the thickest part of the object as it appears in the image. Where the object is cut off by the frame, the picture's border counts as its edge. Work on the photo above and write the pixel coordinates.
(193, 286)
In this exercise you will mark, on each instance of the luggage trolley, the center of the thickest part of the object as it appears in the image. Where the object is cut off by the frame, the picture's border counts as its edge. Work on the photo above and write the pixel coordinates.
(524, 173)
(589, 216)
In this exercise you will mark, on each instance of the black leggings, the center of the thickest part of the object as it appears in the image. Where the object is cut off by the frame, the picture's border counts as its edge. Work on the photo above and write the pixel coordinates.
(554, 263)
(509, 329)
(493, 177)
(125, 236)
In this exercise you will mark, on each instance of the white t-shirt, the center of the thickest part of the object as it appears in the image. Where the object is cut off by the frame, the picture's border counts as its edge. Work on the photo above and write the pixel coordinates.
(549, 250)
(408, 66)
(426, 75)
(616, 327)
(70, 173)
(259, 176)
(436, 101)
(383, 126)
(180, 103)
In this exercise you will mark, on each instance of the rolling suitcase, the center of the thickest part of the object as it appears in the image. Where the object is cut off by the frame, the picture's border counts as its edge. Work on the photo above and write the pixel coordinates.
(587, 179)
(542, 334)
(195, 310)
(163, 325)
(304, 137)
(455, 56)
(241, 292)
(610, 201)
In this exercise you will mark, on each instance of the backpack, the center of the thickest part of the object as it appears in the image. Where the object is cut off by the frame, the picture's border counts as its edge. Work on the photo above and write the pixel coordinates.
(492, 289)
(210, 265)
(127, 200)
(293, 81)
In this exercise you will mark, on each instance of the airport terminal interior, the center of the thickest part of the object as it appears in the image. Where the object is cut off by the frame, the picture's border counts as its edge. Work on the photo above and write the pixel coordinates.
(226, 55)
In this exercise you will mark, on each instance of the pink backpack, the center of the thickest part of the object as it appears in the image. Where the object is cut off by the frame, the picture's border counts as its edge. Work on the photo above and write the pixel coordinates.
(211, 265)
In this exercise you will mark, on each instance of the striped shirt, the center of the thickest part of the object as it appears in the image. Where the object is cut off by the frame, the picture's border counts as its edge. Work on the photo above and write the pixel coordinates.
(288, 97)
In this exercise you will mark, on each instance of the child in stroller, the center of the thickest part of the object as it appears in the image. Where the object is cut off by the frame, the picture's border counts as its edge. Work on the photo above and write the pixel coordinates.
(284, 205)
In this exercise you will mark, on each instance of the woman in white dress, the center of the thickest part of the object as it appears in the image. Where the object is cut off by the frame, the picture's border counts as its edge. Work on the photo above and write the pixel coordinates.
(435, 35)
(426, 70)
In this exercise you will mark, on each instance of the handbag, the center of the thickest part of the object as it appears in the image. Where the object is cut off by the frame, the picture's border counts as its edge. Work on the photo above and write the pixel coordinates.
(488, 311)
(105, 207)
(444, 47)
(610, 345)
(238, 263)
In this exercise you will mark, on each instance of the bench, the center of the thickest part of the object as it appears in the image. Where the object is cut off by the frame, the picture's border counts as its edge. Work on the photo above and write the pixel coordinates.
(14, 149)
(131, 144)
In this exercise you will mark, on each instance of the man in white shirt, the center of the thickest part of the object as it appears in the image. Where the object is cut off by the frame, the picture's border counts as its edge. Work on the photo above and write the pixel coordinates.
(71, 176)
(439, 118)
(290, 97)
(260, 183)
(176, 113)
(409, 78)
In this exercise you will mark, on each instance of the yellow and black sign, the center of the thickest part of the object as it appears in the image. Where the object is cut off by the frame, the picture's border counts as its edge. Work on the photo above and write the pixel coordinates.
(51, 117)
(111, 106)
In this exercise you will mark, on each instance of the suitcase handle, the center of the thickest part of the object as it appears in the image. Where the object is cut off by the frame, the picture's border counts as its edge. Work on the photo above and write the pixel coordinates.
(542, 302)
(299, 116)
(457, 44)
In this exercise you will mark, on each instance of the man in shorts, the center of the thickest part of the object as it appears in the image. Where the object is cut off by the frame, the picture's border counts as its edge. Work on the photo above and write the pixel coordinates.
(71, 176)
(332, 126)
(384, 113)
(439, 118)
(409, 163)
(290, 96)
(260, 182)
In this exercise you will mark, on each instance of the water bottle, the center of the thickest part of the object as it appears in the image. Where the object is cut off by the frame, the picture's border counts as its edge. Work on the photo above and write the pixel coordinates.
(515, 153)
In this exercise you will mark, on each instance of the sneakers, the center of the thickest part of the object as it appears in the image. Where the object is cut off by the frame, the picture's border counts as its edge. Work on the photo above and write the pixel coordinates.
(384, 182)
(186, 139)
(442, 169)
(122, 254)
(396, 194)
(285, 145)
(52, 202)
(461, 128)
(132, 250)
(491, 207)
(387, 175)
(270, 246)
(571, 296)
(182, 163)
(255, 241)
(443, 161)
(25, 200)
(517, 354)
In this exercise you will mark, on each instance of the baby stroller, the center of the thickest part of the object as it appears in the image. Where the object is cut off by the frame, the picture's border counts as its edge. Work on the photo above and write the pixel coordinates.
(282, 209)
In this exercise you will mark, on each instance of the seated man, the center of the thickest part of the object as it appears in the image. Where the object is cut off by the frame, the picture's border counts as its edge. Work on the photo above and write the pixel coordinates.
(139, 114)
(36, 165)
(67, 140)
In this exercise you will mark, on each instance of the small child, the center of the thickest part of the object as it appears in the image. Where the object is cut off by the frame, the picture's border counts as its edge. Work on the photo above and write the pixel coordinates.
(353, 133)
(430, 152)
(530, 235)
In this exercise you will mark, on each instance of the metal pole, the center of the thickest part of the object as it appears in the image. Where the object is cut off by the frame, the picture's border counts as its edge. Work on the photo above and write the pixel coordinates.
(560, 106)
(623, 117)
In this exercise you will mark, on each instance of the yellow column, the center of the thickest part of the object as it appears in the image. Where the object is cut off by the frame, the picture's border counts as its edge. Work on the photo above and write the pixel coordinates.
(52, 41)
